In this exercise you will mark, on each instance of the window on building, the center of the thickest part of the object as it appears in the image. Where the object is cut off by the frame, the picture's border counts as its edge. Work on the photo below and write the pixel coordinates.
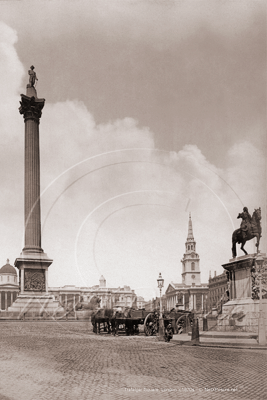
(8, 278)
(192, 266)
(188, 247)
(192, 247)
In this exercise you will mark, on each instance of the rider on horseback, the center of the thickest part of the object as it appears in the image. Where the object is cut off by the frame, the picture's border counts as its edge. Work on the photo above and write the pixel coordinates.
(246, 223)
(249, 228)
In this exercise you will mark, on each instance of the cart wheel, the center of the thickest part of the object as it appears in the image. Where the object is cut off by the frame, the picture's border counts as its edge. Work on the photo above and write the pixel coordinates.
(149, 325)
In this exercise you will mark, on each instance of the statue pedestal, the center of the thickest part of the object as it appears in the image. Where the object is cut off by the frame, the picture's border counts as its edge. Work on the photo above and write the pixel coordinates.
(33, 278)
(31, 91)
(241, 313)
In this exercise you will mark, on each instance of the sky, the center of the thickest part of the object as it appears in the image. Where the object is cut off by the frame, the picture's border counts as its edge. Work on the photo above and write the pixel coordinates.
(153, 109)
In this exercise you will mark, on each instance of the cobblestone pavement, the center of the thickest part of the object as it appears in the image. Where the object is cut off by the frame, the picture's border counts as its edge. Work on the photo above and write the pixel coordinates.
(50, 360)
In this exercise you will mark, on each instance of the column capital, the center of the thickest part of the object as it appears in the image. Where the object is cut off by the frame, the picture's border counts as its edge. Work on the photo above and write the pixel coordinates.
(31, 107)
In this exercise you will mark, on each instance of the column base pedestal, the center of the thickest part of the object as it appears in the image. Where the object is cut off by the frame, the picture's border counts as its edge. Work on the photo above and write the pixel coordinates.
(33, 272)
(42, 305)
(34, 296)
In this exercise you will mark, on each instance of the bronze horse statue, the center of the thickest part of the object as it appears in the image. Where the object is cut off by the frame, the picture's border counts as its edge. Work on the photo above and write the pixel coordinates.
(250, 228)
(92, 304)
(70, 307)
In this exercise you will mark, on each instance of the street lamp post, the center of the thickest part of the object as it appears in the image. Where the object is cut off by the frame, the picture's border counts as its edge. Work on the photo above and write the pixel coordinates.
(160, 281)
(261, 324)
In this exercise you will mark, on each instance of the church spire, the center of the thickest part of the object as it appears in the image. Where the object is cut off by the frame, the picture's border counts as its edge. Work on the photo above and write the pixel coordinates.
(190, 261)
(190, 244)
(190, 236)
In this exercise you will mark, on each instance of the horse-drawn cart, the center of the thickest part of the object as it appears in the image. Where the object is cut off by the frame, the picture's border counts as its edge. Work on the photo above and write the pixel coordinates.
(113, 320)
(128, 321)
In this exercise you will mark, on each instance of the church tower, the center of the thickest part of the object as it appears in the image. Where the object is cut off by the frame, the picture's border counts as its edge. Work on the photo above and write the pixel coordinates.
(190, 261)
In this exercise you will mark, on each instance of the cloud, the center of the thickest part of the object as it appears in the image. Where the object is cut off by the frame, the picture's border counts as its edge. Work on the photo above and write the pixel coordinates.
(159, 22)
(11, 73)
(247, 171)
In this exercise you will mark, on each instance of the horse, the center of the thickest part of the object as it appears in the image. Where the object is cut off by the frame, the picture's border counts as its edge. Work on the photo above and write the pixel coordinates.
(255, 231)
(122, 318)
(111, 319)
(102, 316)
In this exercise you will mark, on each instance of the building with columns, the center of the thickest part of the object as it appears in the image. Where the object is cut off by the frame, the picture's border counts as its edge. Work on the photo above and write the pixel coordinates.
(9, 287)
(191, 293)
(110, 297)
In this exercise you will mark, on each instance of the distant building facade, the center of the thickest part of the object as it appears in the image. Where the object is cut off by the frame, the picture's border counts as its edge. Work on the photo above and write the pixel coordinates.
(9, 286)
(140, 302)
(191, 292)
(110, 297)
(218, 291)
(154, 304)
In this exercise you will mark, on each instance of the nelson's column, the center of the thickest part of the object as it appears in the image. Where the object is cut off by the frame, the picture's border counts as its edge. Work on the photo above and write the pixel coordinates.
(33, 263)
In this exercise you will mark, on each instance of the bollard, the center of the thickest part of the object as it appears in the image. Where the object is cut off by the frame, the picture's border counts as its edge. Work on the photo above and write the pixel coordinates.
(195, 331)
(205, 324)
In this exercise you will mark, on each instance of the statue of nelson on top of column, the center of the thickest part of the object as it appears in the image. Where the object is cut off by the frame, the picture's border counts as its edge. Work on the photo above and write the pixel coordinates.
(32, 76)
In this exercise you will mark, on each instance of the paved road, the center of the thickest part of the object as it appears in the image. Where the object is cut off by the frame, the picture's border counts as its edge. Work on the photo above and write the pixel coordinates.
(55, 361)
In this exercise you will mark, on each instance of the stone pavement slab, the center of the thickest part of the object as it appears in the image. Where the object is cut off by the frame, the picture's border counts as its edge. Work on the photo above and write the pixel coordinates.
(67, 361)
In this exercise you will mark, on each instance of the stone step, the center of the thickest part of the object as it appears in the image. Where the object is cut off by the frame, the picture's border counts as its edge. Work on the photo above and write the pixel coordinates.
(229, 335)
(228, 340)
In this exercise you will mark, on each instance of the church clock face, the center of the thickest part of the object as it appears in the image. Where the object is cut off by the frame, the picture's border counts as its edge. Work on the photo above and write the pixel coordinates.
(193, 276)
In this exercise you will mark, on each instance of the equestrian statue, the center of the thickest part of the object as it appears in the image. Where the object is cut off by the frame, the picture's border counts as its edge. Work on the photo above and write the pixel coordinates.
(250, 227)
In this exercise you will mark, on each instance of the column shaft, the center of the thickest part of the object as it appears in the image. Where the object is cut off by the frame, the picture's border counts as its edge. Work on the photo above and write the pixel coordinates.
(32, 187)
